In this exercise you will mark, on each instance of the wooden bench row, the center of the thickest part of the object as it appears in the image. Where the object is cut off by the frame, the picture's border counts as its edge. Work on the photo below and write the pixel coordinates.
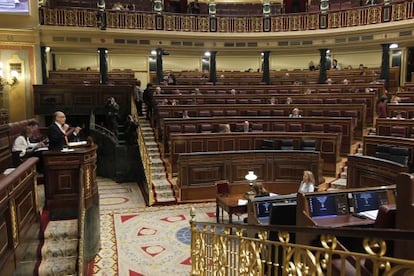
(343, 125)
(356, 111)
(377, 88)
(81, 99)
(328, 144)
(395, 127)
(369, 99)
(280, 170)
(405, 109)
(370, 143)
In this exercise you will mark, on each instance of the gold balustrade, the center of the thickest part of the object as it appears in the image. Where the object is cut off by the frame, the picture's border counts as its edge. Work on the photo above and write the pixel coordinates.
(219, 249)
(363, 16)
(146, 161)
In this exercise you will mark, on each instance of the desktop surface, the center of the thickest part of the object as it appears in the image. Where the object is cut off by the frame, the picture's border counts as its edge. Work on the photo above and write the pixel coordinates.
(342, 221)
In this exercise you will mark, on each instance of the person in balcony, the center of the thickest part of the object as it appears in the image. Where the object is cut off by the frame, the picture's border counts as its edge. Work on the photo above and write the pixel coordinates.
(194, 7)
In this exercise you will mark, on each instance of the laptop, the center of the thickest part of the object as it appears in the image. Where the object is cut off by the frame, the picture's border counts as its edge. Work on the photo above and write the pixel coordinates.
(263, 211)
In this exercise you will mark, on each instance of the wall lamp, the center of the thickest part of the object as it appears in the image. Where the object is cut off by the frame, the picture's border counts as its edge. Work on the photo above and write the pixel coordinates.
(11, 81)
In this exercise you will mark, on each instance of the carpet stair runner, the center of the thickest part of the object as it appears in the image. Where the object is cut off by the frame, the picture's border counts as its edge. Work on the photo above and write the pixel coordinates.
(59, 252)
(162, 187)
(55, 254)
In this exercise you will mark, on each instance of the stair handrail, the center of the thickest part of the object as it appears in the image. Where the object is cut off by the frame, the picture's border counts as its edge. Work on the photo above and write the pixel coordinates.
(146, 162)
(107, 132)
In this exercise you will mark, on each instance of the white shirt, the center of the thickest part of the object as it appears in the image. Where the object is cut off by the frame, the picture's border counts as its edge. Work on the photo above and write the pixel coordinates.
(22, 144)
(306, 187)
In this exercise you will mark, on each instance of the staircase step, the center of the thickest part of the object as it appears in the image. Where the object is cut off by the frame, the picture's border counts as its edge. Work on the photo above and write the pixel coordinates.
(25, 268)
(62, 229)
(59, 248)
(58, 266)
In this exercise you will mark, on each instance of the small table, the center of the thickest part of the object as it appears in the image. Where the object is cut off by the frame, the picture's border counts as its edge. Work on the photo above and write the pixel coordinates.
(230, 204)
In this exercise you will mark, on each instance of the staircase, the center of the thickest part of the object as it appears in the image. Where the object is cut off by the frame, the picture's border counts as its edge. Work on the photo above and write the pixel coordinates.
(59, 252)
(162, 187)
(55, 252)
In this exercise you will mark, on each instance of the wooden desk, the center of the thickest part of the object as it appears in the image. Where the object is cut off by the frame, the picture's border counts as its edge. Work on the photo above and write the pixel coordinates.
(342, 221)
(230, 204)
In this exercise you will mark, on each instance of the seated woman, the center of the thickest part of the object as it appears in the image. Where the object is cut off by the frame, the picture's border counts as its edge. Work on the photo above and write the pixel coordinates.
(23, 148)
(224, 128)
(295, 113)
(23, 145)
(308, 183)
(260, 190)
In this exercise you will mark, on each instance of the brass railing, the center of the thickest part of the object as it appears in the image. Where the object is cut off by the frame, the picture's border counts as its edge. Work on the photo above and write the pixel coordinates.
(363, 16)
(218, 249)
(146, 162)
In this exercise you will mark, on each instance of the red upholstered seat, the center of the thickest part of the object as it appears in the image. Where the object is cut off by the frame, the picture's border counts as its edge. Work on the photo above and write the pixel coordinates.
(279, 127)
(251, 112)
(331, 101)
(243, 101)
(345, 101)
(257, 127)
(294, 128)
(278, 112)
(222, 187)
(218, 113)
(332, 113)
(265, 112)
(189, 129)
(255, 101)
(174, 129)
(317, 128)
(316, 101)
(231, 101)
(335, 128)
(206, 128)
(204, 113)
(398, 131)
(316, 113)
(231, 112)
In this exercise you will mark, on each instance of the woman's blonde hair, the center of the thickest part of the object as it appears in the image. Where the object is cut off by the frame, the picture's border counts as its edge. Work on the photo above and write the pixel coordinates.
(310, 176)
(259, 189)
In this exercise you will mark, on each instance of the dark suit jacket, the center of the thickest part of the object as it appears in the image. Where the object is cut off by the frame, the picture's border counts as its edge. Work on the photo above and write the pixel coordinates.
(56, 137)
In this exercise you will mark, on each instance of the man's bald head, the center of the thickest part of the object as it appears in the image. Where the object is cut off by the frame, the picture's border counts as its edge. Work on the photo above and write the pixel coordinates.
(60, 117)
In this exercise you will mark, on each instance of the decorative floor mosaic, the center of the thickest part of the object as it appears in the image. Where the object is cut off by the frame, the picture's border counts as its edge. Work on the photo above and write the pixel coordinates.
(138, 240)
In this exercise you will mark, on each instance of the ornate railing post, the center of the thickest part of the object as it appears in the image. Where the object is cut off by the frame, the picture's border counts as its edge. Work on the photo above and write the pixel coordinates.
(212, 12)
(266, 16)
(159, 20)
(101, 15)
(323, 20)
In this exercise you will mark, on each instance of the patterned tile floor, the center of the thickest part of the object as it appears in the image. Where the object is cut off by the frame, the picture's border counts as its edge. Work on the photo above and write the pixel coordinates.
(127, 243)
(114, 197)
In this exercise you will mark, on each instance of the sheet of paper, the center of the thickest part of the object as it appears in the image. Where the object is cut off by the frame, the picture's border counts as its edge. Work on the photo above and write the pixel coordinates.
(75, 144)
(8, 171)
(370, 214)
(242, 202)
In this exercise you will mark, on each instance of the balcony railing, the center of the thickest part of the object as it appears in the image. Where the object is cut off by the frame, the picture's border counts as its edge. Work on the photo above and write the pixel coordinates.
(369, 15)
(218, 249)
